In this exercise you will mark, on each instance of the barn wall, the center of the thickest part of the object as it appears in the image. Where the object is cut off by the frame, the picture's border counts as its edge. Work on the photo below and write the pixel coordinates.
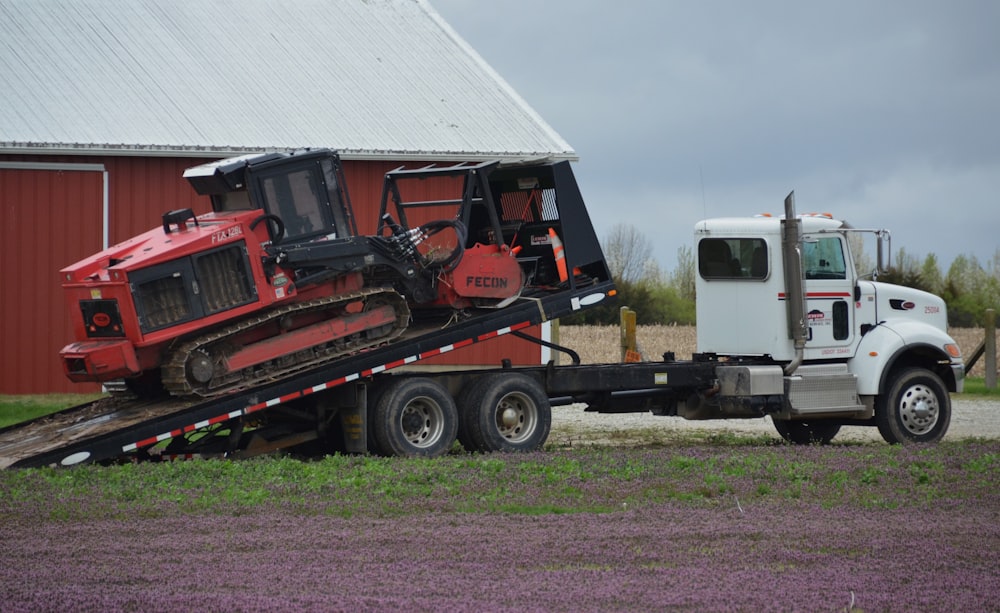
(50, 217)
(53, 218)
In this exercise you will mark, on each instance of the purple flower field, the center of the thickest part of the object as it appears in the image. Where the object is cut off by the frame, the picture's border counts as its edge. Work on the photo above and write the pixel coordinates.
(690, 528)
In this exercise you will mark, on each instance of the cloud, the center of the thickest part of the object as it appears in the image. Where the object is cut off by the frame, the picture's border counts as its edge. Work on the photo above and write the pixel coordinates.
(883, 113)
(931, 208)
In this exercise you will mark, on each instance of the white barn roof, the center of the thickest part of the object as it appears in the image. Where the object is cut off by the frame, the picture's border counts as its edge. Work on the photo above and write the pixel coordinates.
(372, 78)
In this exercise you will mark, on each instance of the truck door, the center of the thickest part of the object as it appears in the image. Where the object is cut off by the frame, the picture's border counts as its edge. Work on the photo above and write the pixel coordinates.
(829, 287)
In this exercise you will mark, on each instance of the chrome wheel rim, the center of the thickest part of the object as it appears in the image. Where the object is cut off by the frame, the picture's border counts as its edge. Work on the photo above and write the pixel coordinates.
(919, 409)
(516, 417)
(422, 422)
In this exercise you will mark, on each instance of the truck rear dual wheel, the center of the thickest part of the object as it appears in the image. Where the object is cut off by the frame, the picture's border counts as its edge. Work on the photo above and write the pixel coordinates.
(504, 412)
(414, 417)
(806, 432)
(916, 408)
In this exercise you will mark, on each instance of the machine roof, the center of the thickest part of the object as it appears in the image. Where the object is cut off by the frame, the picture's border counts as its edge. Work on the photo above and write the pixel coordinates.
(374, 79)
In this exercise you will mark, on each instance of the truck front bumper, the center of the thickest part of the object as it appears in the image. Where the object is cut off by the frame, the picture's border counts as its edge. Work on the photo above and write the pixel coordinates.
(958, 371)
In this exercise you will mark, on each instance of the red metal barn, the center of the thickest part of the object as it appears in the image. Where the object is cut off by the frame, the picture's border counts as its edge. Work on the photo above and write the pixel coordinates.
(105, 104)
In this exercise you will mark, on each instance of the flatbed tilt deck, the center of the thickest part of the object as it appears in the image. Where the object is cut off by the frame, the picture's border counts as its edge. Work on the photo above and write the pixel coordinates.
(519, 250)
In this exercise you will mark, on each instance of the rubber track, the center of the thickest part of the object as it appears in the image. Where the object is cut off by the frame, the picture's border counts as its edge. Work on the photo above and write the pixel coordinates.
(174, 373)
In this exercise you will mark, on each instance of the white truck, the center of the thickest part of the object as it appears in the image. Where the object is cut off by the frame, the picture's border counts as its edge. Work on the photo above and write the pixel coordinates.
(839, 349)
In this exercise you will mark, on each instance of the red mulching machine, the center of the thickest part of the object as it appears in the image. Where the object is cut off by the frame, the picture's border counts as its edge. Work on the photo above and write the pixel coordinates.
(276, 278)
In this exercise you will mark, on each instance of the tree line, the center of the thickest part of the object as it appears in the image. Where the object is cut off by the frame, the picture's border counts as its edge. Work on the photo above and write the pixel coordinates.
(969, 286)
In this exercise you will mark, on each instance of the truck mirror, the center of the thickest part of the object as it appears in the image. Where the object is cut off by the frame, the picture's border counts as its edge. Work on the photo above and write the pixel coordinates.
(883, 243)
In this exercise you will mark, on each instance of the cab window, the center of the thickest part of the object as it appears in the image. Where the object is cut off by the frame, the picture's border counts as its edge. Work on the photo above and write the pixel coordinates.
(823, 258)
(306, 199)
(733, 258)
(297, 198)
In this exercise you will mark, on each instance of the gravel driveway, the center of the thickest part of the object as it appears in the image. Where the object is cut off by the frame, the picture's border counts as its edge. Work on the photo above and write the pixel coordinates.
(971, 418)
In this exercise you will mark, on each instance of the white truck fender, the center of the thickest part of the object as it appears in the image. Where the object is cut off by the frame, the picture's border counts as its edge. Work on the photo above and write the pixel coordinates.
(883, 345)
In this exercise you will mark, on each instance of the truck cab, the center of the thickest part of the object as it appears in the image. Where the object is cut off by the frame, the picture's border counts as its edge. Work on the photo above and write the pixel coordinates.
(851, 350)
(741, 289)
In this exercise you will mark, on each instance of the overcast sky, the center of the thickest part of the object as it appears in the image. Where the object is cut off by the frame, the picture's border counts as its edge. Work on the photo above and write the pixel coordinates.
(885, 113)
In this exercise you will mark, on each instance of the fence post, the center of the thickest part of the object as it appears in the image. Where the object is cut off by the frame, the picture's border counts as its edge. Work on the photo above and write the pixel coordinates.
(630, 352)
(990, 344)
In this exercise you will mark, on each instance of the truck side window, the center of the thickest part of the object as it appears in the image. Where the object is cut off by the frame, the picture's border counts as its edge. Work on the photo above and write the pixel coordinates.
(733, 258)
(823, 258)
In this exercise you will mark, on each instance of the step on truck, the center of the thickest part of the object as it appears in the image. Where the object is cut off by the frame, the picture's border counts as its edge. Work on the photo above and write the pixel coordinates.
(270, 325)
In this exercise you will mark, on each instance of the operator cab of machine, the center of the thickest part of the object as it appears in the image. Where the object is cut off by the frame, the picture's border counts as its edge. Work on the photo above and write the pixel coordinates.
(302, 194)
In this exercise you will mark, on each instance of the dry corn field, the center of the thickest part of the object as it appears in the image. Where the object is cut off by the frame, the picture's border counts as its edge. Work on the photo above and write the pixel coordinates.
(600, 344)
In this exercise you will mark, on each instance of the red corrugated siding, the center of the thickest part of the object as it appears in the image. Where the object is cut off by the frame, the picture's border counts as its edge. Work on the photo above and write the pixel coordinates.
(364, 184)
(61, 217)
(142, 189)
(52, 219)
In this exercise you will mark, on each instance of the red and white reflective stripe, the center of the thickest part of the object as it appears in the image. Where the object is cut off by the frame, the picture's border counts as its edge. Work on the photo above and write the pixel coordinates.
(782, 295)
(260, 406)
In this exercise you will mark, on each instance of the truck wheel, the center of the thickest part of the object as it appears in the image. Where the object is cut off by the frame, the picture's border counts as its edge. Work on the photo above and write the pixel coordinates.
(415, 418)
(806, 432)
(506, 412)
(916, 408)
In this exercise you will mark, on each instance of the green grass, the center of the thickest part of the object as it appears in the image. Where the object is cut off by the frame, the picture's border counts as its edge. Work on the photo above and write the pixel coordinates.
(595, 480)
(976, 386)
(15, 409)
